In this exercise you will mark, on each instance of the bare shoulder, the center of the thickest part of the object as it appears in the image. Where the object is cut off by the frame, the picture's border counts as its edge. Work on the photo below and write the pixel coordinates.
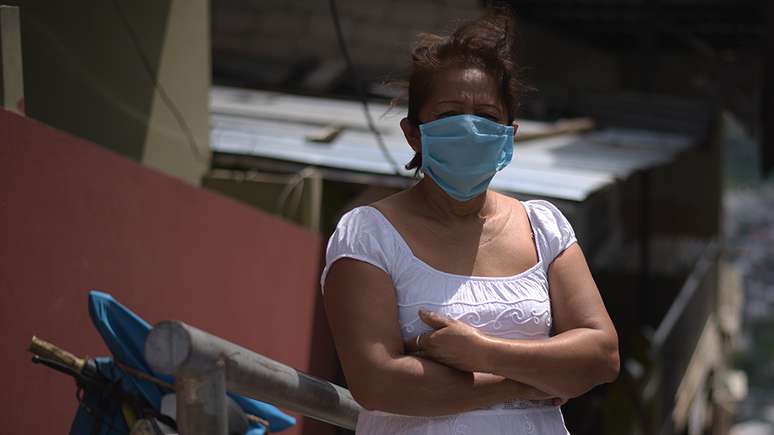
(514, 204)
(397, 205)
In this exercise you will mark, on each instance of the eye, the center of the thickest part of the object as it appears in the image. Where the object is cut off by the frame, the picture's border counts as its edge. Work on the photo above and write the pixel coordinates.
(448, 114)
(488, 116)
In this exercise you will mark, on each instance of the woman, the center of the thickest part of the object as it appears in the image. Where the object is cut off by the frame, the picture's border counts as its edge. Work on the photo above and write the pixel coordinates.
(456, 309)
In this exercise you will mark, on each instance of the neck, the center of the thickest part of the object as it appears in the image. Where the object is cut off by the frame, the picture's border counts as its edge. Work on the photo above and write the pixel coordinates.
(445, 208)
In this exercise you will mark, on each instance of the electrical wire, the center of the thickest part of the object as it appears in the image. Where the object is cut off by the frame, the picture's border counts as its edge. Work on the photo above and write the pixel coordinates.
(360, 89)
(157, 85)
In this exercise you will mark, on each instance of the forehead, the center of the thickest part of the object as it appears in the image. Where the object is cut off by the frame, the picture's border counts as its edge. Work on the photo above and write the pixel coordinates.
(465, 85)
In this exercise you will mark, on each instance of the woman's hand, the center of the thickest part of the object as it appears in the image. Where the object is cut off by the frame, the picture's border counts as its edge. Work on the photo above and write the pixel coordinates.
(453, 343)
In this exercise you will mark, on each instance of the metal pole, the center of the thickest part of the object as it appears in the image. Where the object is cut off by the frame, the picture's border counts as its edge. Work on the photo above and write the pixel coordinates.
(173, 348)
(201, 403)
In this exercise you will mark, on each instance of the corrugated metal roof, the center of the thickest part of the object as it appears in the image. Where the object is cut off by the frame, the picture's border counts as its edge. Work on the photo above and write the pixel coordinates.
(570, 167)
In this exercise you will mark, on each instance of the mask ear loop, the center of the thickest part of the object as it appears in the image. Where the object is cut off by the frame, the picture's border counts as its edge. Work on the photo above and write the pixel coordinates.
(418, 167)
(420, 154)
(417, 156)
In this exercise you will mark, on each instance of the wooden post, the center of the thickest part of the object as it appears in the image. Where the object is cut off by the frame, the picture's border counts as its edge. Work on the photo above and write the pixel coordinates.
(11, 77)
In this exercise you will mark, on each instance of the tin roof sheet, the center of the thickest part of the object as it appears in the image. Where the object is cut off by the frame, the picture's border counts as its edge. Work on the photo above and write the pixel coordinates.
(571, 167)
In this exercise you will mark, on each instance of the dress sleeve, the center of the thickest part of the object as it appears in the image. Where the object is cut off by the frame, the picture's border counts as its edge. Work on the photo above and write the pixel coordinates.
(359, 235)
(558, 233)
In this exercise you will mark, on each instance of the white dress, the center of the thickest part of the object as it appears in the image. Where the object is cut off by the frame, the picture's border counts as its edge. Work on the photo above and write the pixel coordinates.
(515, 307)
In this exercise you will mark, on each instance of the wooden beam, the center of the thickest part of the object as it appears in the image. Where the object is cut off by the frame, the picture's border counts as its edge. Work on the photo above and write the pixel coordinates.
(11, 77)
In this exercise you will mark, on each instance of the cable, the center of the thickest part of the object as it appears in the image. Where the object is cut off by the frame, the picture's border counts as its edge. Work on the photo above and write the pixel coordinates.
(156, 84)
(359, 86)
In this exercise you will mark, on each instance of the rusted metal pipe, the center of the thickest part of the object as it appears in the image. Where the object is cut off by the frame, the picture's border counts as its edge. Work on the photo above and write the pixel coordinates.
(181, 350)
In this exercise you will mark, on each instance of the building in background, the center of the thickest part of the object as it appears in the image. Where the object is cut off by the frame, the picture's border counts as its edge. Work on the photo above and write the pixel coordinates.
(130, 76)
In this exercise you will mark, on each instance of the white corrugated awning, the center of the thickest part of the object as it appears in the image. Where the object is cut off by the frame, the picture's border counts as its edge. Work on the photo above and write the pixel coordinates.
(571, 167)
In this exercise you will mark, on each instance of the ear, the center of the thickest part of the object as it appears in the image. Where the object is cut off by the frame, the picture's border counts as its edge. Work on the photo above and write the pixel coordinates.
(515, 128)
(411, 132)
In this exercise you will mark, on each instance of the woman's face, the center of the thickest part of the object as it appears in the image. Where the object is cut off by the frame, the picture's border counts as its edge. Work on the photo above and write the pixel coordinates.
(464, 91)
(458, 91)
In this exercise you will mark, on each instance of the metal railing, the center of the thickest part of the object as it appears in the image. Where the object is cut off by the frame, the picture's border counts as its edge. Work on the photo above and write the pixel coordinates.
(206, 367)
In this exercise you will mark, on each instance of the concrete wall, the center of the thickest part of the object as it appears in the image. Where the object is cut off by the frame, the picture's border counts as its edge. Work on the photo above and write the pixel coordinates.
(75, 217)
(83, 73)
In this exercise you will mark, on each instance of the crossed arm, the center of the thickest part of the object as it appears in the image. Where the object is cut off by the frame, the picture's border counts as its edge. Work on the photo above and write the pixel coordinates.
(458, 368)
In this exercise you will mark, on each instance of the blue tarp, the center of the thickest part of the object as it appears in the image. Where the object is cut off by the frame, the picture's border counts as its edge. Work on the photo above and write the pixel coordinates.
(124, 334)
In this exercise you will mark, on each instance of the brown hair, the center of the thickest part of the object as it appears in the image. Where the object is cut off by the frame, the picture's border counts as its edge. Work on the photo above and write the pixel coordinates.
(486, 43)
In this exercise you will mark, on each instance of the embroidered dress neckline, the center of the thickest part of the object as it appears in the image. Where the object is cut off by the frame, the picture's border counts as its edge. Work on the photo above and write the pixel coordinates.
(427, 266)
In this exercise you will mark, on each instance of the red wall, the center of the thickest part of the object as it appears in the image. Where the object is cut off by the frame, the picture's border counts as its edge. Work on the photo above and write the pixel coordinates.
(75, 217)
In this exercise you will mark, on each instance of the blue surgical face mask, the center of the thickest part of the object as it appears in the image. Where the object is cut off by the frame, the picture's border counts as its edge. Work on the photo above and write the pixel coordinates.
(462, 153)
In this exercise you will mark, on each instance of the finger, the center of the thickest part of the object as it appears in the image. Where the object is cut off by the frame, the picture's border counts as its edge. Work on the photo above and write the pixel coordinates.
(434, 320)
